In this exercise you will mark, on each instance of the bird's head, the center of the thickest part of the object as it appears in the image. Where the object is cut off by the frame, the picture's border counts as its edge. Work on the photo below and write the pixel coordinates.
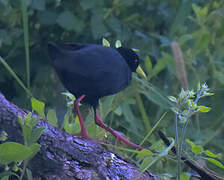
(130, 57)
(132, 60)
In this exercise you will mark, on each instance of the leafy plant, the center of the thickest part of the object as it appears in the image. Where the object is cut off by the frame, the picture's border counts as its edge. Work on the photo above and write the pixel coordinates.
(16, 153)
(187, 105)
(205, 154)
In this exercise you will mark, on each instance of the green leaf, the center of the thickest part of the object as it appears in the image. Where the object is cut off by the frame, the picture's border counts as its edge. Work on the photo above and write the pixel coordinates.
(195, 8)
(33, 121)
(196, 149)
(70, 98)
(118, 111)
(211, 154)
(5, 177)
(27, 129)
(52, 117)
(184, 38)
(203, 38)
(118, 43)
(151, 160)
(27, 118)
(165, 151)
(20, 120)
(146, 163)
(6, 174)
(185, 176)
(46, 17)
(35, 148)
(13, 152)
(200, 12)
(129, 116)
(87, 4)
(134, 49)
(175, 110)
(181, 17)
(204, 109)
(144, 153)
(112, 22)
(29, 174)
(69, 95)
(15, 168)
(97, 25)
(3, 136)
(39, 5)
(158, 146)
(68, 21)
(172, 98)
(128, 3)
(95, 131)
(148, 64)
(38, 107)
(105, 42)
(107, 105)
(215, 162)
(182, 94)
(36, 134)
(153, 93)
(71, 127)
(161, 64)
(219, 76)
(191, 103)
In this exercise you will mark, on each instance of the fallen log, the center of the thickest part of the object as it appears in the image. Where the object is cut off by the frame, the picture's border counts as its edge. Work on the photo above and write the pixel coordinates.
(63, 156)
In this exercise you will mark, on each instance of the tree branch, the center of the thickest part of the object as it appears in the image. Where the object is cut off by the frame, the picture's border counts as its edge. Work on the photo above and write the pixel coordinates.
(63, 156)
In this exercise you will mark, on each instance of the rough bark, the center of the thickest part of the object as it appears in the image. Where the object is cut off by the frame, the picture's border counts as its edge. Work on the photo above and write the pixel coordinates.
(63, 156)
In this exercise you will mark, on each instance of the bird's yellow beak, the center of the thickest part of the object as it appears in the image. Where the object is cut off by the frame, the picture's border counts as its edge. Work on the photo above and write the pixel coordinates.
(140, 72)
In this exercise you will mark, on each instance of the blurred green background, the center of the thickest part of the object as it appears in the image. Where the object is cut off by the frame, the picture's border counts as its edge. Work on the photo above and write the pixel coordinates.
(147, 25)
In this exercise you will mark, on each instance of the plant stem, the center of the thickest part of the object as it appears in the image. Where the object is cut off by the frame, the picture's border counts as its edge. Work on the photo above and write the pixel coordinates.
(24, 6)
(178, 150)
(153, 129)
(14, 76)
(142, 110)
(25, 163)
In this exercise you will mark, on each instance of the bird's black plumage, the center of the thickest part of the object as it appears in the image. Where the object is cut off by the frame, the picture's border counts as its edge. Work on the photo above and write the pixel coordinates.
(93, 70)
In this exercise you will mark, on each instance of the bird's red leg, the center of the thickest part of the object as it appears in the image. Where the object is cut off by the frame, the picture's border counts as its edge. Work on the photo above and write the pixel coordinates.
(100, 123)
(83, 132)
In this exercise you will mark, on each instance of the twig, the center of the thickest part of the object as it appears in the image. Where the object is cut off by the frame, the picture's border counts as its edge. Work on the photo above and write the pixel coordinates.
(205, 173)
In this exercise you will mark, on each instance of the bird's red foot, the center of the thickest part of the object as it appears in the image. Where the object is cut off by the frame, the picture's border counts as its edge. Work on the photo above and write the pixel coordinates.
(100, 123)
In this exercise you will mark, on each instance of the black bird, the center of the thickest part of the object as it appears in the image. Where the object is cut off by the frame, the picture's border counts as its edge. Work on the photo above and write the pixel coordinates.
(91, 71)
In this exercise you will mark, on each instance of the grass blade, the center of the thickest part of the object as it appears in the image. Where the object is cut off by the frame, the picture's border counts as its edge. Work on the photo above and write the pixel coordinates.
(24, 5)
(14, 75)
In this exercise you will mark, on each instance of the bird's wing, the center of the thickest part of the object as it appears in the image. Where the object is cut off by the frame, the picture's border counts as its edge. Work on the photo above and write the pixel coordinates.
(100, 69)
(90, 62)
